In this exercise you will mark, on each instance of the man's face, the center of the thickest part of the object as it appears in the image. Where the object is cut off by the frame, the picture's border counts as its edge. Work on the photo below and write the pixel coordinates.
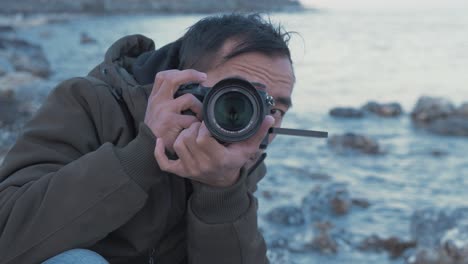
(271, 74)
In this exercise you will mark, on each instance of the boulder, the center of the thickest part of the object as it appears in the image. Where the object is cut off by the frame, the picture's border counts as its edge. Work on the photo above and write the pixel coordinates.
(441, 236)
(320, 238)
(355, 142)
(463, 110)
(326, 201)
(24, 56)
(449, 126)
(393, 245)
(86, 39)
(384, 110)
(14, 108)
(428, 109)
(286, 215)
(346, 112)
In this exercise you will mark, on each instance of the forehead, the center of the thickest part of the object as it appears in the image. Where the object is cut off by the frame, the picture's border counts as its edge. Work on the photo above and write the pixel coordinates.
(274, 72)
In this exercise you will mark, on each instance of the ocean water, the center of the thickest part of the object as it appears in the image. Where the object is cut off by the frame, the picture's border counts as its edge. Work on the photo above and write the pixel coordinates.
(341, 58)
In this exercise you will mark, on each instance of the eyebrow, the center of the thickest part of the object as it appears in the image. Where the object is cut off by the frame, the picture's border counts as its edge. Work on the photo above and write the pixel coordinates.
(286, 101)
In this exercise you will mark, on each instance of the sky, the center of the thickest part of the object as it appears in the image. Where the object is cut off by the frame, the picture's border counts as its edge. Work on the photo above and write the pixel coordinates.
(349, 4)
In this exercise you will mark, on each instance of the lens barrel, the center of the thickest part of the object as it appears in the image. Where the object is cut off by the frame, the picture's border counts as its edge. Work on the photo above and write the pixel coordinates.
(234, 110)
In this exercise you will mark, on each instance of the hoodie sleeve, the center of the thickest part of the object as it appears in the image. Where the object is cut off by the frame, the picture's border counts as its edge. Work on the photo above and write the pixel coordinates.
(222, 223)
(61, 187)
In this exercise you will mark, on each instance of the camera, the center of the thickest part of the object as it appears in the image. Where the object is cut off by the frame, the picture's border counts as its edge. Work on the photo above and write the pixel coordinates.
(233, 109)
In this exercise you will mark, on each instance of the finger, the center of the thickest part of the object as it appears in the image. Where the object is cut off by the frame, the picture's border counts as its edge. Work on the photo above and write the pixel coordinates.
(258, 137)
(189, 102)
(158, 80)
(173, 79)
(165, 164)
(184, 121)
(191, 135)
(204, 135)
(186, 156)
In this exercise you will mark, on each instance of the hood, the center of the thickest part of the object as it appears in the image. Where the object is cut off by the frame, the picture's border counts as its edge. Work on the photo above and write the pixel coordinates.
(130, 65)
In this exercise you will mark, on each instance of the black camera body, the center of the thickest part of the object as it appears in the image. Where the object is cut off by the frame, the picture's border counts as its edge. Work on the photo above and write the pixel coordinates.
(233, 109)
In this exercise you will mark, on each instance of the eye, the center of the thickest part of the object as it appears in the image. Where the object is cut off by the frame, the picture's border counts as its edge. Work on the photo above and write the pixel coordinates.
(277, 113)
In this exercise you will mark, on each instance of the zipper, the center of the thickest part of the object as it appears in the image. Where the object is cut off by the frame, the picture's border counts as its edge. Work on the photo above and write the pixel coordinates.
(151, 256)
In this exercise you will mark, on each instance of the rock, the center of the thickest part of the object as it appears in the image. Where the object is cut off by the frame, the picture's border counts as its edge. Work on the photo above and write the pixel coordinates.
(450, 126)
(455, 241)
(8, 108)
(428, 109)
(14, 109)
(145, 6)
(441, 235)
(86, 39)
(463, 110)
(351, 141)
(346, 112)
(440, 116)
(6, 28)
(25, 56)
(360, 202)
(438, 153)
(320, 238)
(286, 215)
(326, 201)
(394, 246)
(385, 110)
(324, 242)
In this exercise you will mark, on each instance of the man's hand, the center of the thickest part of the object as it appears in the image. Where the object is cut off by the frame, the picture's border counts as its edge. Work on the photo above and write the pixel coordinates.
(203, 159)
(163, 113)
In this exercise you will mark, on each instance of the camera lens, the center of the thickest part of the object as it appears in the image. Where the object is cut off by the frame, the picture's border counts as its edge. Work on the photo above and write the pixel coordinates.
(233, 111)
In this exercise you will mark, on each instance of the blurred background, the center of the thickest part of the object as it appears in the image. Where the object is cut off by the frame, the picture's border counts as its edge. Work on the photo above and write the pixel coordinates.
(387, 79)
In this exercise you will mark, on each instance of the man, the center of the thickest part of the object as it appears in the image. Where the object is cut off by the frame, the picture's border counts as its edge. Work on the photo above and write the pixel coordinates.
(110, 163)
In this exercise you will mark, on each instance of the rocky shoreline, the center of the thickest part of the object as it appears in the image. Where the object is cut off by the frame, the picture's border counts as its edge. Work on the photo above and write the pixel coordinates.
(146, 6)
(435, 235)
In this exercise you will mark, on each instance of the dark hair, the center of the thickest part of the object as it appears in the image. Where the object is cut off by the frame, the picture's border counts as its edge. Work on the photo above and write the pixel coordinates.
(203, 41)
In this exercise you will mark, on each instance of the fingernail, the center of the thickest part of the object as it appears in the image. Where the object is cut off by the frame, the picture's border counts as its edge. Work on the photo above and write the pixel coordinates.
(203, 75)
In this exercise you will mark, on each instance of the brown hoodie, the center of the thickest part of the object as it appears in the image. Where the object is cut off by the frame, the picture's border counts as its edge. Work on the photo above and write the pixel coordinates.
(83, 175)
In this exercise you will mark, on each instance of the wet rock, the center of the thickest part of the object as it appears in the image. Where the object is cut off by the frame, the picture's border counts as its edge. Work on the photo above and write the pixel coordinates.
(438, 153)
(346, 112)
(326, 201)
(455, 242)
(320, 238)
(324, 242)
(428, 109)
(279, 256)
(361, 202)
(24, 56)
(450, 126)
(351, 141)
(286, 215)
(441, 235)
(393, 245)
(305, 173)
(86, 39)
(463, 110)
(439, 116)
(13, 108)
(145, 6)
(385, 110)
(6, 28)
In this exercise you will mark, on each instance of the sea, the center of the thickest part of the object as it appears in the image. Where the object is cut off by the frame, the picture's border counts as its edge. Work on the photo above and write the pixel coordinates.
(341, 58)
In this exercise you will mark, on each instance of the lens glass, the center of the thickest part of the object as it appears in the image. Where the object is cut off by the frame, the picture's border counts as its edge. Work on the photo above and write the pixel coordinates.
(233, 111)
